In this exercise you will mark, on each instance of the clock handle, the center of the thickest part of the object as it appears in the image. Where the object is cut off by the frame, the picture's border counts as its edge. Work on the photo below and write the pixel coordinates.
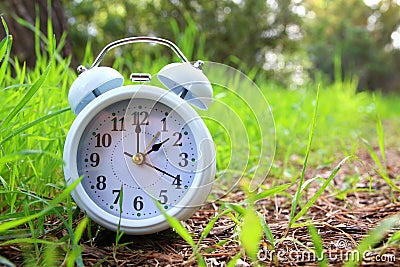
(138, 39)
(184, 79)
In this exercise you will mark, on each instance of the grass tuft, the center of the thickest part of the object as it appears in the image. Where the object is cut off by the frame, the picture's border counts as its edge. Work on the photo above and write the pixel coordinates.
(296, 197)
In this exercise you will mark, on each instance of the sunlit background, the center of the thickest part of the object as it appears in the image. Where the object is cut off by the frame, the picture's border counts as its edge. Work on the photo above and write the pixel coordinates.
(289, 41)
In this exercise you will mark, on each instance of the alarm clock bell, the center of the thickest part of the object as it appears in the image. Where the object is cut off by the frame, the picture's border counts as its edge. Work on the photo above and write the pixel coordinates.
(184, 79)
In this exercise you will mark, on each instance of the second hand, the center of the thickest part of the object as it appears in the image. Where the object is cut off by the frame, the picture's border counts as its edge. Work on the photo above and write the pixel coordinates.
(151, 141)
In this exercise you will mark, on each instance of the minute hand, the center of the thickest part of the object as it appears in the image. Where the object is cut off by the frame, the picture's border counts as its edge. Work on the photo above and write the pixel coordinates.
(138, 130)
(160, 170)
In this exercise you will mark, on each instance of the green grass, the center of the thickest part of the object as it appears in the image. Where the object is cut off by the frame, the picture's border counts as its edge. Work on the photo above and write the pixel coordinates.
(34, 121)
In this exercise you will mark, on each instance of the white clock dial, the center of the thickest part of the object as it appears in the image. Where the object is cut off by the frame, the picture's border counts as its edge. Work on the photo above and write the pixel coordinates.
(132, 153)
(135, 146)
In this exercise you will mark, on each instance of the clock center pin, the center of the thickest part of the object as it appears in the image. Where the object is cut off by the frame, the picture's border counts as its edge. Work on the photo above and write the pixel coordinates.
(138, 158)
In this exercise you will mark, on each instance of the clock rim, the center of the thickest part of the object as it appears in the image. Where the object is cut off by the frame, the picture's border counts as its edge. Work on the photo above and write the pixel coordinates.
(197, 193)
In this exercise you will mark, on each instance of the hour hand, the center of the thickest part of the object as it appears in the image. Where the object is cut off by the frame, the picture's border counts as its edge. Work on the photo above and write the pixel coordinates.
(156, 147)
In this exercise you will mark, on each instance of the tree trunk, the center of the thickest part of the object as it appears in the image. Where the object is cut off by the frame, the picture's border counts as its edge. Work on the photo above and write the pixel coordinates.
(23, 38)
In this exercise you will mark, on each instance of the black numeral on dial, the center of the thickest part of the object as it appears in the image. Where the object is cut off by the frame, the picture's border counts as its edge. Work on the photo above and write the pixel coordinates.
(184, 162)
(118, 192)
(118, 124)
(94, 159)
(178, 140)
(138, 203)
(140, 117)
(163, 196)
(101, 182)
(177, 181)
(164, 125)
(103, 140)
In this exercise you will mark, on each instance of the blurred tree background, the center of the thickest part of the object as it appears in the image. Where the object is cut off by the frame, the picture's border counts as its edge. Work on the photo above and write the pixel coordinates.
(286, 41)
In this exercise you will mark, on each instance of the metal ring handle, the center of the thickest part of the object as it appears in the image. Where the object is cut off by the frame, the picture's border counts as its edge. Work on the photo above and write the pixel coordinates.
(139, 39)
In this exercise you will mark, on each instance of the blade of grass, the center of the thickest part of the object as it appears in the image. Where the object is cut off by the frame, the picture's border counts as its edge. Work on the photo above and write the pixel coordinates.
(31, 124)
(75, 256)
(374, 237)
(50, 256)
(271, 191)
(208, 229)
(43, 212)
(8, 40)
(22, 73)
(50, 32)
(24, 154)
(29, 241)
(4, 42)
(88, 55)
(270, 237)
(14, 234)
(232, 262)
(177, 225)
(319, 247)
(236, 208)
(382, 166)
(37, 31)
(314, 198)
(251, 232)
(381, 137)
(296, 197)
(119, 233)
(6, 262)
(15, 215)
(267, 230)
(372, 153)
(394, 238)
(182, 232)
(3, 47)
(380, 170)
(31, 91)
(200, 260)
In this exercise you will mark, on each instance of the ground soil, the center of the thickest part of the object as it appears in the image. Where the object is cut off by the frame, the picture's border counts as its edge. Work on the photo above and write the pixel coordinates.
(342, 221)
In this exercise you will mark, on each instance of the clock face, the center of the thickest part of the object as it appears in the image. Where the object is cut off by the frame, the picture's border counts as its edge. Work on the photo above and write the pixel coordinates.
(135, 152)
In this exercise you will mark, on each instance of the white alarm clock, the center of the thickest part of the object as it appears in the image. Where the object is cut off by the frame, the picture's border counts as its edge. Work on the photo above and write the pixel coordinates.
(137, 145)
